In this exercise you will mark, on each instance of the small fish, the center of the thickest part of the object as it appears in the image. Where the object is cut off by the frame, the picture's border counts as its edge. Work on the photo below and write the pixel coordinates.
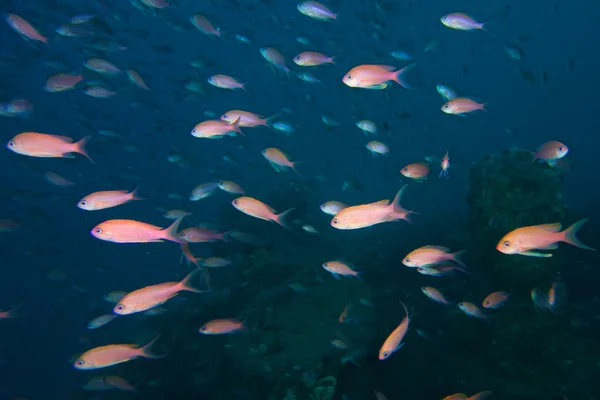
(310, 229)
(445, 164)
(375, 76)
(112, 354)
(434, 294)
(472, 310)
(203, 191)
(551, 152)
(204, 25)
(274, 58)
(344, 318)
(462, 106)
(35, 144)
(215, 262)
(312, 59)
(540, 301)
(247, 119)
(136, 79)
(431, 255)
(225, 82)
(24, 28)
(130, 231)
(216, 129)
(495, 300)
(365, 215)
(540, 237)
(316, 10)
(446, 92)
(338, 268)
(231, 187)
(101, 66)
(101, 321)
(257, 209)
(222, 326)
(62, 82)
(176, 214)
(367, 127)
(462, 22)
(107, 199)
(394, 341)
(416, 171)
(401, 55)
(377, 148)
(279, 160)
(153, 296)
(333, 207)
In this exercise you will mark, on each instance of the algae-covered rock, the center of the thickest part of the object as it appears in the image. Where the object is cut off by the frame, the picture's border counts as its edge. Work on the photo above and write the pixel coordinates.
(325, 389)
(509, 191)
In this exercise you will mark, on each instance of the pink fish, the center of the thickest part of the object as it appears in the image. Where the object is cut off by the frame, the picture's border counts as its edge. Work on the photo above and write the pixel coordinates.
(375, 76)
(24, 28)
(130, 231)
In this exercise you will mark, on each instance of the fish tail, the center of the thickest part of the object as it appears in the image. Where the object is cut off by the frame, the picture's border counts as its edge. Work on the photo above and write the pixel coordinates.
(146, 350)
(456, 257)
(225, 235)
(186, 252)
(170, 233)
(186, 285)
(399, 212)
(135, 193)
(269, 121)
(293, 166)
(279, 218)
(236, 126)
(398, 76)
(571, 232)
(79, 147)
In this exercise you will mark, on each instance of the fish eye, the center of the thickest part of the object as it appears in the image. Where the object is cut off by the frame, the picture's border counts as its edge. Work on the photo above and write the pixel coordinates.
(120, 307)
(385, 354)
(561, 148)
(446, 106)
(487, 302)
(194, 130)
(11, 144)
(405, 169)
(445, 18)
(97, 231)
(83, 203)
(80, 362)
(407, 260)
(182, 234)
(203, 328)
(349, 76)
(225, 116)
(507, 244)
(235, 202)
(335, 221)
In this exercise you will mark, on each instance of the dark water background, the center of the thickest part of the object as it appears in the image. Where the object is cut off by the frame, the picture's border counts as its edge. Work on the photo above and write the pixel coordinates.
(558, 38)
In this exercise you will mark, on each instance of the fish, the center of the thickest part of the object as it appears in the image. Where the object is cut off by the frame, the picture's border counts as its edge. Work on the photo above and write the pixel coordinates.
(434, 294)
(540, 237)
(416, 171)
(222, 326)
(131, 231)
(24, 28)
(495, 300)
(371, 76)
(101, 321)
(312, 59)
(107, 199)
(153, 296)
(377, 148)
(550, 152)
(316, 11)
(332, 207)
(113, 354)
(446, 92)
(279, 160)
(445, 164)
(44, 145)
(472, 310)
(365, 215)
(462, 22)
(339, 268)
(225, 82)
(462, 106)
(394, 341)
(431, 255)
(257, 209)
(216, 129)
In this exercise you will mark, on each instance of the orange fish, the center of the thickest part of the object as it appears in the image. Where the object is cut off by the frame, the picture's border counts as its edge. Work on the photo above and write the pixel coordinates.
(231, 187)
(394, 341)
(434, 294)
(462, 106)
(431, 255)
(130, 231)
(445, 164)
(24, 28)
(375, 76)
(44, 145)
(540, 237)
(222, 326)
(274, 58)
(257, 209)
(216, 129)
(365, 215)
(495, 300)
(152, 296)
(107, 199)
(62, 82)
(278, 159)
(416, 171)
(112, 354)
(551, 152)
(338, 268)
(343, 318)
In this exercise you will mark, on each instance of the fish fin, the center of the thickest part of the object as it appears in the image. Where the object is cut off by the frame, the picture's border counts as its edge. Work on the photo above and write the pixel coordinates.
(551, 227)
(146, 350)
(456, 257)
(398, 347)
(382, 203)
(535, 254)
(279, 218)
(294, 167)
(79, 147)
(551, 246)
(170, 233)
(440, 248)
(236, 126)
(398, 76)
(134, 194)
(388, 68)
(269, 121)
(570, 233)
(377, 87)
(398, 212)
(65, 139)
(189, 256)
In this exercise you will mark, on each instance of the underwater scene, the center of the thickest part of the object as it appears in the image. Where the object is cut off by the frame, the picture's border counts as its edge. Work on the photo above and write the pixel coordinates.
(299, 200)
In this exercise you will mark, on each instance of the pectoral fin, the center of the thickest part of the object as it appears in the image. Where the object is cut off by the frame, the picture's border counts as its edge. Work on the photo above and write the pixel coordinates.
(534, 254)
